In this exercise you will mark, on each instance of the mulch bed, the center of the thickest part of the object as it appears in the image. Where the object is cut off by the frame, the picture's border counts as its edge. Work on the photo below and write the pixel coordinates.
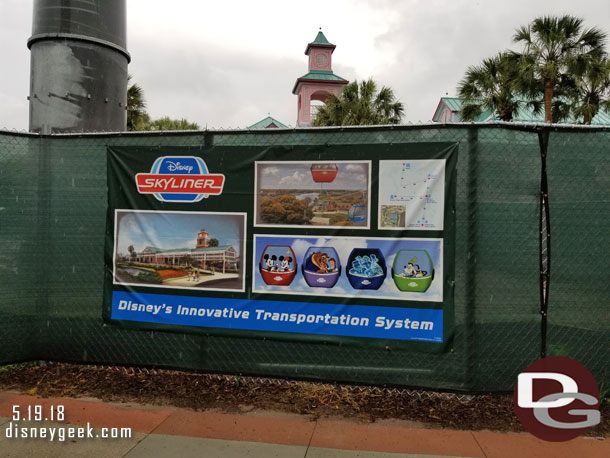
(165, 274)
(241, 394)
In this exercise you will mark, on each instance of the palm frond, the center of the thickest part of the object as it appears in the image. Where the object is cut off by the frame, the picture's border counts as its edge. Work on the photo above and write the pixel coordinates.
(471, 112)
(557, 50)
(360, 104)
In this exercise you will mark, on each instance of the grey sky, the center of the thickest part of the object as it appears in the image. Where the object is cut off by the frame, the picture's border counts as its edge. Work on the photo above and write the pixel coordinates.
(229, 64)
(299, 176)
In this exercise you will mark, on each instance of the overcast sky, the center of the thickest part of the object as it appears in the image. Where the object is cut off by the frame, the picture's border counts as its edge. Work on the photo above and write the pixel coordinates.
(299, 176)
(229, 64)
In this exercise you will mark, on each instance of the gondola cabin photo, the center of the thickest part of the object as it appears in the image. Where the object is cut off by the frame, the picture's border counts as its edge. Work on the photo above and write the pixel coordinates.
(357, 213)
(321, 267)
(278, 265)
(324, 173)
(413, 270)
(366, 268)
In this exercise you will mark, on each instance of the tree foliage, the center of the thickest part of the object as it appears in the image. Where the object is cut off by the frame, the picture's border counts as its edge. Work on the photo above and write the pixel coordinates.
(360, 104)
(138, 118)
(561, 71)
(284, 209)
(591, 92)
(490, 86)
(166, 123)
(553, 48)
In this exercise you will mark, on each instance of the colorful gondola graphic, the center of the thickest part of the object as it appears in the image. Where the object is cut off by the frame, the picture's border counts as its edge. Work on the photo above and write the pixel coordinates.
(278, 265)
(413, 270)
(324, 173)
(357, 213)
(321, 267)
(366, 268)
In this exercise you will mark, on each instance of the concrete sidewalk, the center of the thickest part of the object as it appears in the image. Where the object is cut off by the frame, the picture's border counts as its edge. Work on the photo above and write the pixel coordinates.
(169, 432)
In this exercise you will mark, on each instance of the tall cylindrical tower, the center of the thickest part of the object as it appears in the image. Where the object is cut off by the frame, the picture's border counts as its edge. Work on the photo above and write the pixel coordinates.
(78, 69)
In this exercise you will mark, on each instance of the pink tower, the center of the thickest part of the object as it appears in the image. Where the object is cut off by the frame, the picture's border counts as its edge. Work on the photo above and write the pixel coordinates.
(203, 239)
(320, 82)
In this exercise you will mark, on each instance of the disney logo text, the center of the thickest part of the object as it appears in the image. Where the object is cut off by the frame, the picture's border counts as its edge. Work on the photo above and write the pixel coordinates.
(173, 166)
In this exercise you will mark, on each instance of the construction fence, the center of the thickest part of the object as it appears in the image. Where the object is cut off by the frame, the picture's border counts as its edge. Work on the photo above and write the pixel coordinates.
(531, 257)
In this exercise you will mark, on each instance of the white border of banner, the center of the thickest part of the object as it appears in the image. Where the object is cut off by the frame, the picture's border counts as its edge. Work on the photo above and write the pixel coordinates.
(368, 205)
(201, 289)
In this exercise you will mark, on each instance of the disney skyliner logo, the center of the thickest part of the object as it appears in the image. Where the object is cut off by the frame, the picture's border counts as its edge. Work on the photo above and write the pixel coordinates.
(180, 179)
(187, 179)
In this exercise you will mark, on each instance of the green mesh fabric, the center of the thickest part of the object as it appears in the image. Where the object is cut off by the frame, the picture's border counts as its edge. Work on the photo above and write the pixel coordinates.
(53, 200)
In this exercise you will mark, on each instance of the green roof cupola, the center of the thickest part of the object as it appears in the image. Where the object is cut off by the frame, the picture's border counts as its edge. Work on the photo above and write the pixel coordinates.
(319, 82)
(320, 41)
(320, 53)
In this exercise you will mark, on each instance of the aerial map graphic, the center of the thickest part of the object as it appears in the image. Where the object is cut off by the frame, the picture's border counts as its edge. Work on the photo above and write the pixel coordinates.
(412, 194)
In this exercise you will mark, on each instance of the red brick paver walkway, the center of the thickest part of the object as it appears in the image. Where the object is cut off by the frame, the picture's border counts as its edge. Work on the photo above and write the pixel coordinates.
(289, 429)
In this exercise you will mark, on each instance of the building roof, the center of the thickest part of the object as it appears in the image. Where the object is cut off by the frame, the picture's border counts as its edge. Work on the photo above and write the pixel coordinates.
(524, 114)
(161, 251)
(188, 250)
(455, 106)
(268, 123)
(213, 248)
(453, 103)
(323, 76)
(320, 41)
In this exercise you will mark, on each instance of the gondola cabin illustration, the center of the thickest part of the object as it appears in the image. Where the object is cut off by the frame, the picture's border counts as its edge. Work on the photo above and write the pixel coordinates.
(278, 265)
(321, 267)
(324, 173)
(357, 213)
(413, 270)
(366, 268)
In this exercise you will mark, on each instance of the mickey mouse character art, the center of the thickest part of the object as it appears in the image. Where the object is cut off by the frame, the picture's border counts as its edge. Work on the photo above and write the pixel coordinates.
(270, 262)
(277, 265)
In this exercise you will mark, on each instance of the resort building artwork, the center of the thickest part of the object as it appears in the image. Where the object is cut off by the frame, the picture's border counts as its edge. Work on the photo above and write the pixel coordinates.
(223, 257)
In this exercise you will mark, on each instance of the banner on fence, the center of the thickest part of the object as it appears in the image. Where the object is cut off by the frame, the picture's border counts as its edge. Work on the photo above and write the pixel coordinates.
(350, 244)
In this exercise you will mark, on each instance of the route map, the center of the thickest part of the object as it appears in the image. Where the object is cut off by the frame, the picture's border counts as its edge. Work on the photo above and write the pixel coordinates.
(412, 194)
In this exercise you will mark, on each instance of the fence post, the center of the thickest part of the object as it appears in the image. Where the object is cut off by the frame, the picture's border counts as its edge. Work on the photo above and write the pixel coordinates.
(208, 139)
(545, 238)
(470, 328)
(43, 241)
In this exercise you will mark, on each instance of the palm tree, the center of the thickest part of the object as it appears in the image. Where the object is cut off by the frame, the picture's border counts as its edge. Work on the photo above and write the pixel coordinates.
(591, 89)
(137, 118)
(489, 86)
(551, 48)
(360, 104)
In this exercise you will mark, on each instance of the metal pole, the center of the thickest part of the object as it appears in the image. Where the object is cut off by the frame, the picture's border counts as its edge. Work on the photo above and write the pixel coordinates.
(544, 240)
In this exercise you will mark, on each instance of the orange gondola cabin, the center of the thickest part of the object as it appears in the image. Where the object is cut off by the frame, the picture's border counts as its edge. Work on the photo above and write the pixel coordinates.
(324, 173)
